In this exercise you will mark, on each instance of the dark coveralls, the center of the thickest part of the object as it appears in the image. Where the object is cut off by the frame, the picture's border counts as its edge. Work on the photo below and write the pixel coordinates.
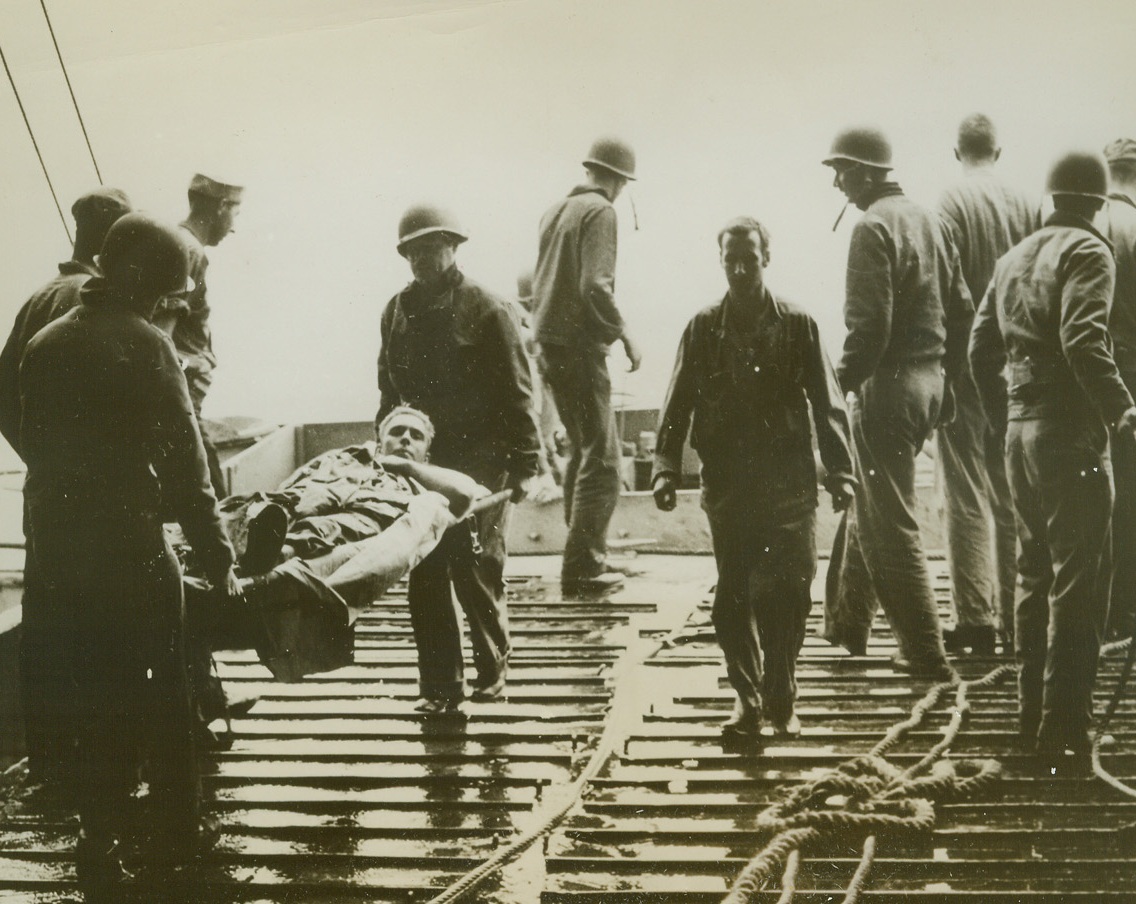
(44, 687)
(194, 341)
(459, 357)
(112, 449)
(986, 219)
(906, 309)
(749, 397)
(575, 320)
(1120, 216)
(1044, 323)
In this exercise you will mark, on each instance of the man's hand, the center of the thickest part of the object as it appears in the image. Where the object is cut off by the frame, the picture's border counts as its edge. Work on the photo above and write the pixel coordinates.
(665, 491)
(634, 356)
(394, 464)
(519, 485)
(842, 495)
(230, 586)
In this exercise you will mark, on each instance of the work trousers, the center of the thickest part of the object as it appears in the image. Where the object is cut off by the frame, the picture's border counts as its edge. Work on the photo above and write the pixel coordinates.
(125, 649)
(476, 571)
(581, 388)
(882, 562)
(1122, 607)
(761, 604)
(1061, 482)
(981, 542)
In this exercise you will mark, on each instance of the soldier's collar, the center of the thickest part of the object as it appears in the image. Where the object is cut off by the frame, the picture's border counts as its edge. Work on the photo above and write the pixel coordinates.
(1064, 218)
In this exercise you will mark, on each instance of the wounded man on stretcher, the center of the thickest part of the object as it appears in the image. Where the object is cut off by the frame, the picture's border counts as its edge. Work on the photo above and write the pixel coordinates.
(312, 554)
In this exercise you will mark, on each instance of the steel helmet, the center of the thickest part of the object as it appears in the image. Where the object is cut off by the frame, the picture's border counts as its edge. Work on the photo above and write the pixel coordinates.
(862, 144)
(612, 155)
(1079, 173)
(423, 219)
(141, 254)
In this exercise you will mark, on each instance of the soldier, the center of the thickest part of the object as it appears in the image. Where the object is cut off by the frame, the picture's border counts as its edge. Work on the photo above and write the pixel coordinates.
(213, 207)
(748, 370)
(44, 692)
(454, 350)
(1121, 231)
(575, 320)
(1044, 325)
(906, 309)
(986, 218)
(113, 448)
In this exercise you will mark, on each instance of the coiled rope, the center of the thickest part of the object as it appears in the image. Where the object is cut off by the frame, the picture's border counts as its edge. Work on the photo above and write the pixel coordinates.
(872, 795)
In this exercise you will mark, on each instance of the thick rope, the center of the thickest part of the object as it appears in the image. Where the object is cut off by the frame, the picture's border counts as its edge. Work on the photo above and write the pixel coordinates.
(1100, 739)
(872, 795)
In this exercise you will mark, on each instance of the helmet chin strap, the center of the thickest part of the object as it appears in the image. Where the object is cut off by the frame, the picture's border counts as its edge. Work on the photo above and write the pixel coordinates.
(840, 216)
(634, 212)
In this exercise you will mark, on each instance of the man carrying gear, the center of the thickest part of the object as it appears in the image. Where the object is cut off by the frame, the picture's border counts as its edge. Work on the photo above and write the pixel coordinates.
(1042, 361)
(907, 310)
(575, 320)
(113, 449)
(453, 350)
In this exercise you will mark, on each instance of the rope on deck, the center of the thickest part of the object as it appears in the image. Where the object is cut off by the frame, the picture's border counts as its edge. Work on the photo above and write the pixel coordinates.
(871, 794)
(621, 709)
(1101, 739)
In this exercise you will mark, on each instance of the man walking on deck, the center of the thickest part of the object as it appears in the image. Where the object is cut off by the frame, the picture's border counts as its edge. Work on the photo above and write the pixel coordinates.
(986, 219)
(45, 693)
(1120, 229)
(454, 350)
(1042, 361)
(748, 370)
(575, 321)
(213, 208)
(906, 309)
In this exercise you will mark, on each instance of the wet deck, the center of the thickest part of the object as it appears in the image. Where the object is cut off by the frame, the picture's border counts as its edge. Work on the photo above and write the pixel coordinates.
(336, 791)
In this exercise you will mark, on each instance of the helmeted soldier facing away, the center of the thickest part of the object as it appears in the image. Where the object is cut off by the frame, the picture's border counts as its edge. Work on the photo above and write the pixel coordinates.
(113, 449)
(906, 309)
(45, 693)
(575, 321)
(1043, 327)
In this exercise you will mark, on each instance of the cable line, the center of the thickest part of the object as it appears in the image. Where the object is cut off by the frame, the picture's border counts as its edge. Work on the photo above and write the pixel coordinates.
(35, 144)
(74, 101)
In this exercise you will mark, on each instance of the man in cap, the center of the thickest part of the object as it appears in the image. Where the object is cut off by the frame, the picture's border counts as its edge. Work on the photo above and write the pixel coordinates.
(453, 349)
(213, 208)
(1120, 229)
(113, 449)
(1042, 361)
(44, 693)
(749, 369)
(575, 320)
(906, 309)
(986, 218)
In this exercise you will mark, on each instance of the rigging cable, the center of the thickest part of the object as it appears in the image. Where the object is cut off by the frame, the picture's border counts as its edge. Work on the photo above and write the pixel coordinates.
(35, 144)
(74, 100)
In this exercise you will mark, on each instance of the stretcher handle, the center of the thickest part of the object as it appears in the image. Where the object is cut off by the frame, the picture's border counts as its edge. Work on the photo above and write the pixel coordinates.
(486, 502)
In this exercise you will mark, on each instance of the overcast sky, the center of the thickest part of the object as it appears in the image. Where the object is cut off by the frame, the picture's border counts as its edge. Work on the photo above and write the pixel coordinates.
(337, 114)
